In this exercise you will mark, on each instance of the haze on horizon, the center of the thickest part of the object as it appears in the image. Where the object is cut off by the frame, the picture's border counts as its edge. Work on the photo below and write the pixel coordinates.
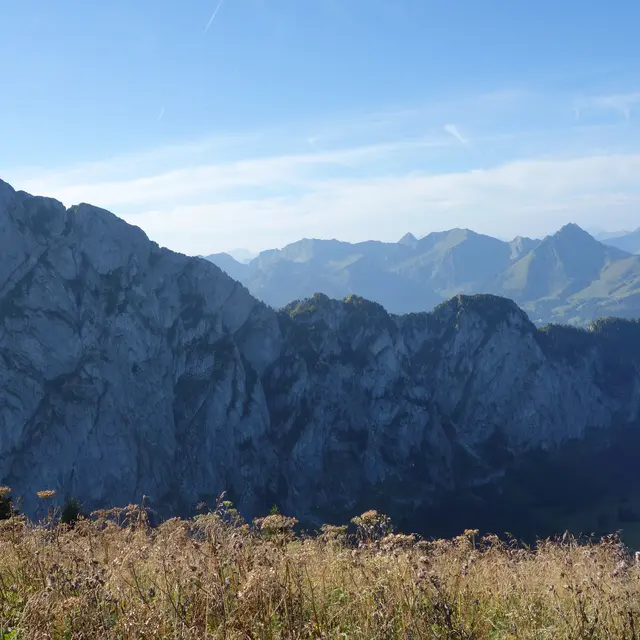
(253, 124)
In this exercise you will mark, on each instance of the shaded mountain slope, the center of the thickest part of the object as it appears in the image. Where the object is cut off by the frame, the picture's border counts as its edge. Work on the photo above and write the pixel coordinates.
(566, 277)
(126, 369)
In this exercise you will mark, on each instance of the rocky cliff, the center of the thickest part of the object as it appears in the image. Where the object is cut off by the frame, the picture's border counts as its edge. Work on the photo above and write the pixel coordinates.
(127, 369)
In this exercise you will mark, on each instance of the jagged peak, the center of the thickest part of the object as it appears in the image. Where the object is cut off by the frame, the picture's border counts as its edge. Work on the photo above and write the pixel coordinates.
(408, 239)
(334, 312)
(89, 215)
(6, 185)
(523, 239)
(308, 306)
(521, 245)
(361, 303)
(573, 231)
(221, 256)
(6, 192)
(494, 310)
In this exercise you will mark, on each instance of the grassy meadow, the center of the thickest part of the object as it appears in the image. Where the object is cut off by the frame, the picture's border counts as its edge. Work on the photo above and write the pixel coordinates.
(112, 575)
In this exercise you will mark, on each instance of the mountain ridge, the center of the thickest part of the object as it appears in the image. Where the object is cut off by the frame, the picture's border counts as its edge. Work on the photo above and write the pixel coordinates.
(127, 369)
(629, 242)
(565, 277)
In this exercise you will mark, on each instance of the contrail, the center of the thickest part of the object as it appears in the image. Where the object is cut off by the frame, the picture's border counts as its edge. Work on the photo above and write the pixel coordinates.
(452, 130)
(212, 18)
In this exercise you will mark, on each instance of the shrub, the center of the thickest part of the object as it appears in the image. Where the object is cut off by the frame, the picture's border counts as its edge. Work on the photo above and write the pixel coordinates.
(6, 505)
(71, 511)
(371, 526)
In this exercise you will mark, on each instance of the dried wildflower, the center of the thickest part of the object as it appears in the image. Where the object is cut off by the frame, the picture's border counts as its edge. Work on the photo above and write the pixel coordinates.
(276, 523)
(372, 525)
(46, 495)
(329, 532)
(393, 542)
(4, 492)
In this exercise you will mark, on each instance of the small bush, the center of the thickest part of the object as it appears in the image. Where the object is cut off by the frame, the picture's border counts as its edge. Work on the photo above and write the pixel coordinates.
(371, 526)
(71, 512)
(6, 505)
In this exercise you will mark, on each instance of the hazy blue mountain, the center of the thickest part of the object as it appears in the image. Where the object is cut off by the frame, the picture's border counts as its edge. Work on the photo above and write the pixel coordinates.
(601, 235)
(629, 242)
(242, 255)
(566, 277)
(237, 270)
(334, 268)
(559, 266)
(129, 370)
(455, 261)
(408, 240)
(520, 246)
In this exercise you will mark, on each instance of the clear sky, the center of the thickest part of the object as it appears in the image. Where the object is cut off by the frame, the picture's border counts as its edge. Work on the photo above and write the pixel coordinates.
(255, 123)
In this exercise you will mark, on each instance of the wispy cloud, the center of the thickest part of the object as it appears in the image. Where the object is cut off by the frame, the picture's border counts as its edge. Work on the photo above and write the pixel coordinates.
(453, 130)
(207, 180)
(161, 114)
(622, 103)
(529, 198)
(265, 189)
(213, 15)
(196, 211)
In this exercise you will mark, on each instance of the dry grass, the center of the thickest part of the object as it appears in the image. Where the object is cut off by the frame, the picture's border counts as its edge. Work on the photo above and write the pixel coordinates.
(113, 576)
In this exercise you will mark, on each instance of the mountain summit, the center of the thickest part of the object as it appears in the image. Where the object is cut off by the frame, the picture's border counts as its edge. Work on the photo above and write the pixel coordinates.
(566, 277)
(130, 370)
(409, 240)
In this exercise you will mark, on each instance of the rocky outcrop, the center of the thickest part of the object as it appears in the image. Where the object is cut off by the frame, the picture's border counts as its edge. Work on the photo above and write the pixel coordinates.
(127, 369)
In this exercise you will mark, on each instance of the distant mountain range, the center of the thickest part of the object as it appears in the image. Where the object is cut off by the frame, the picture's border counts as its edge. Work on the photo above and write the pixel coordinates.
(629, 242)
(598, 234)
(242, 255)
(567, 277)
(127, 370)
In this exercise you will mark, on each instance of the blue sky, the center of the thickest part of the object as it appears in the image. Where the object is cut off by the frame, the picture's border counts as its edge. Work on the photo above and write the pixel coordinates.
(283, 119)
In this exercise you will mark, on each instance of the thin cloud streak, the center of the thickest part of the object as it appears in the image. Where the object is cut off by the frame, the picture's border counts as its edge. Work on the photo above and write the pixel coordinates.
(623, 103)
(453, 130)
(365, 129)
(213, 16)
(357, 180)
(519, 198)
(190, 211)
(187, 182)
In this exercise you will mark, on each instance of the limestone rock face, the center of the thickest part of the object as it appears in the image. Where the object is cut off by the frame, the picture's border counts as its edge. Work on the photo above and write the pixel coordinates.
(125, 369)
(130, 370)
